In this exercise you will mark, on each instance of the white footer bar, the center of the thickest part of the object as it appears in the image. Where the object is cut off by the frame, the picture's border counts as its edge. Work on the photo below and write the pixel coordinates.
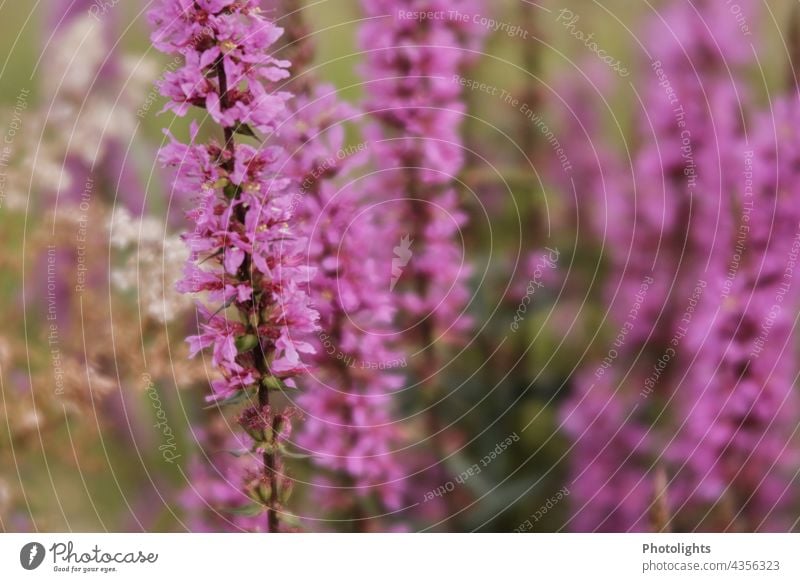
(401, 557)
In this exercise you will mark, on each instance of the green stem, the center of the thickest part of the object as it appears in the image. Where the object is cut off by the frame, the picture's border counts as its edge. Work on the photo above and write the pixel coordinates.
(269, 460)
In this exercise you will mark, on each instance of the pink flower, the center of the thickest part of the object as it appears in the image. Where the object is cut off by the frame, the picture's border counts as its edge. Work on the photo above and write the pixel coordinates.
(245, 254)
(230, 35)
(349, 430)
(409, 71)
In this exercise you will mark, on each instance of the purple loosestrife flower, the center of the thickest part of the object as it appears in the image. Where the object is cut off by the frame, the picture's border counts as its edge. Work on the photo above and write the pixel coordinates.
(410, 70)
(674, 231)
(231, 35)
(349, 429)
(245, 255)
(736, 445)
(221, 480)
(680, 214)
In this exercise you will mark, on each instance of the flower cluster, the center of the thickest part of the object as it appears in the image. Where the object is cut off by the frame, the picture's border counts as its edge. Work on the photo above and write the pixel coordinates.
(349, 430)
(681, 205)
(410, 67)
(674, 229)
(230, 35)
(739, 400)
(256, 262)
(416, 141)
(244, 253)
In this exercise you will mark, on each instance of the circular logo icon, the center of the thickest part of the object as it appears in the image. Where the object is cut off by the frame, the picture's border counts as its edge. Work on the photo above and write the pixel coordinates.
(31, 555)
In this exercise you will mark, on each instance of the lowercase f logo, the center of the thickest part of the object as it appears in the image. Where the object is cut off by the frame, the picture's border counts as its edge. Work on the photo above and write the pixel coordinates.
(402, 255)
(31, 555)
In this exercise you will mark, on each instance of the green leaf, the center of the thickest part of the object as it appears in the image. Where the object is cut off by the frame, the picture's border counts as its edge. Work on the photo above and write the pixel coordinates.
(250, 509)
(223, 307)
(211, 256)
(244, 129)
(273, 383)
(291, 519)
(237, 398)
